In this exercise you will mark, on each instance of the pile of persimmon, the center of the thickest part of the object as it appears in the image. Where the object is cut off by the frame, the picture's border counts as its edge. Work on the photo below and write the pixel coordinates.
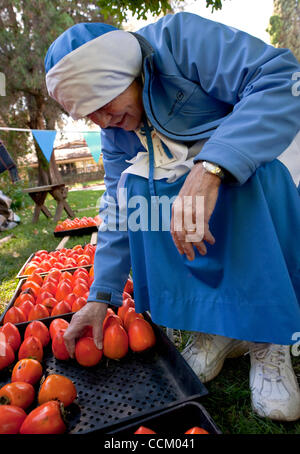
(121, 331)
(26, 389)
(57, 293)
(193, 431)
(78, 223)
(44, 261)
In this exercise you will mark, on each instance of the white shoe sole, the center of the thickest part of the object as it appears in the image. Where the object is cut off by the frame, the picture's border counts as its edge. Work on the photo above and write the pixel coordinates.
(239, 348)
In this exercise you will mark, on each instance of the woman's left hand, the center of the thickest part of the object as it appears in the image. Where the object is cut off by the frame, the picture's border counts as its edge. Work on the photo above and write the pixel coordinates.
(192, 211)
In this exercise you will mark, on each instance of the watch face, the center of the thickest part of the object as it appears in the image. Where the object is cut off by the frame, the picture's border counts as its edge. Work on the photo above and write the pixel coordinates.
(213, 168)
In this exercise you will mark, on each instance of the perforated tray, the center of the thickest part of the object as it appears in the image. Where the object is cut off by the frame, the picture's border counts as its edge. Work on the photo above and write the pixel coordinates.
(76, 232)
(20, 274)
(175, 420)
(118, 391)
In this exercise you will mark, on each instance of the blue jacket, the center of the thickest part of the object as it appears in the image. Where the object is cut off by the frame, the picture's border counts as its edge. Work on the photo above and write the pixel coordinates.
(202, 79)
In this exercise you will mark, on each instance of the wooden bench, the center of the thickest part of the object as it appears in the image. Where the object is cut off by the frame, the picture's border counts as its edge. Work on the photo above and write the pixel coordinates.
(59, 192)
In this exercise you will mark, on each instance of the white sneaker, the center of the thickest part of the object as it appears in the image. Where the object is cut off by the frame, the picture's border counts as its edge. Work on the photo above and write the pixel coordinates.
(205, 353)
(275, 392)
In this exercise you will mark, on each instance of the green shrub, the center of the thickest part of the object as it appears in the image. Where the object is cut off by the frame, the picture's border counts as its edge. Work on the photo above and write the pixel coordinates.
(15, 192)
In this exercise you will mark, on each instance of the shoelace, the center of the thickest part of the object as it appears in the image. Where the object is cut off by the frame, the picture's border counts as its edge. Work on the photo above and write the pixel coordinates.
(207, 338)
(271, 356)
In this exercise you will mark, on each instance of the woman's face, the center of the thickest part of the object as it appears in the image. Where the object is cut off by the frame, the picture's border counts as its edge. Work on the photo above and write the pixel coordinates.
(125, 111)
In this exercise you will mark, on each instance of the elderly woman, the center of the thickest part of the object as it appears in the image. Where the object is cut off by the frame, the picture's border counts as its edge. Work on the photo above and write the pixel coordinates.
(193, 110)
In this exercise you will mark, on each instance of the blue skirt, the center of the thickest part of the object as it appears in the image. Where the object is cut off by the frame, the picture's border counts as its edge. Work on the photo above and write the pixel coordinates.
(248, 285)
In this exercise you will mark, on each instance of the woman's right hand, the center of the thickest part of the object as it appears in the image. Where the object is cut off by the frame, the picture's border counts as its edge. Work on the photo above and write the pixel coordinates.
(92, 314)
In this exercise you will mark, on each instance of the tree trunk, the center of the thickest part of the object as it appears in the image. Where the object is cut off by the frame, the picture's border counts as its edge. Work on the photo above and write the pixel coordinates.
(48, 172)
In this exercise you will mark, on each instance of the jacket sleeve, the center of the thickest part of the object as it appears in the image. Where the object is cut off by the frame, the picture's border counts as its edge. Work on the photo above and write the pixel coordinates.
(257, 79)
(112, 258)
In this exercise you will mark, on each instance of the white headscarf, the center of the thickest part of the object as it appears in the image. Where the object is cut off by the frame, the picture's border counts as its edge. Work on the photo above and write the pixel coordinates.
(94, 73)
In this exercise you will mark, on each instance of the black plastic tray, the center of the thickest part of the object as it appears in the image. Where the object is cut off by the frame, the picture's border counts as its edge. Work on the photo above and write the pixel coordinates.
(118, 391)
(19, 289)
(77, 232)
(20, 274)
(175, 420)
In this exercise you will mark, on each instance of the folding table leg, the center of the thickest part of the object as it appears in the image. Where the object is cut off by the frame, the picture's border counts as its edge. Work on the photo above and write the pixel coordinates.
(59, 210)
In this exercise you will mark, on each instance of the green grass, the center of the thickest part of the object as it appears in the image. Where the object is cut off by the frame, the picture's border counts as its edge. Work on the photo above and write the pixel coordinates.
(228, 401)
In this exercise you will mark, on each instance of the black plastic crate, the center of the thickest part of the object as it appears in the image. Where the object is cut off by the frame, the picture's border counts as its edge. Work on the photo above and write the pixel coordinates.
(115, 392)
(175, 420)
(22, 281)
(20, 274)
(76, 232)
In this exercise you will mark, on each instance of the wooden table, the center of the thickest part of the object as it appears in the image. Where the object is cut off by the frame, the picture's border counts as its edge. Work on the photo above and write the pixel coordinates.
(59, 192)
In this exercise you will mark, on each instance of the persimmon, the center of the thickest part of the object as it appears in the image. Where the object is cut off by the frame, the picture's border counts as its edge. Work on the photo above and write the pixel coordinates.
(7, 354)
(24, 296)
(38, 329)
(46, 265)
(59, 349)
(80, 289)
(91, 272)
(127, 303)
(14, 315)
(144, 430)
(20, 394)
(128, 288)
(130, 316)
(45, 419)
(26, 308)
(43, 296)
(30, 269)
(37, 278)
(109, 320)
(61, 308)
(196, 430)
(49, 303)
(70, 298)
(50, 287)
(78, 304)
(11, 419)
(86, 352)
(33, 286)
(57, 387)
(84, 278)
(56, 325)
(80, 271)
(63, 290)
(31, 347)
(66, 275)
(38, 311)
(11, 334)
(27, 370)
(55, 274)
(141, 335)
(115, 341)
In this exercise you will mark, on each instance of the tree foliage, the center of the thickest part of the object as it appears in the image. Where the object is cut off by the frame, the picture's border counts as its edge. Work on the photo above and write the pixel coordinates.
(27, 28)
(139, 8)
(284, 25)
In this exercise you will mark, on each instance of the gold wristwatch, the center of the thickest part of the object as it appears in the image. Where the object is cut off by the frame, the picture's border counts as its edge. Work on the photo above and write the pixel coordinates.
(214, 169)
